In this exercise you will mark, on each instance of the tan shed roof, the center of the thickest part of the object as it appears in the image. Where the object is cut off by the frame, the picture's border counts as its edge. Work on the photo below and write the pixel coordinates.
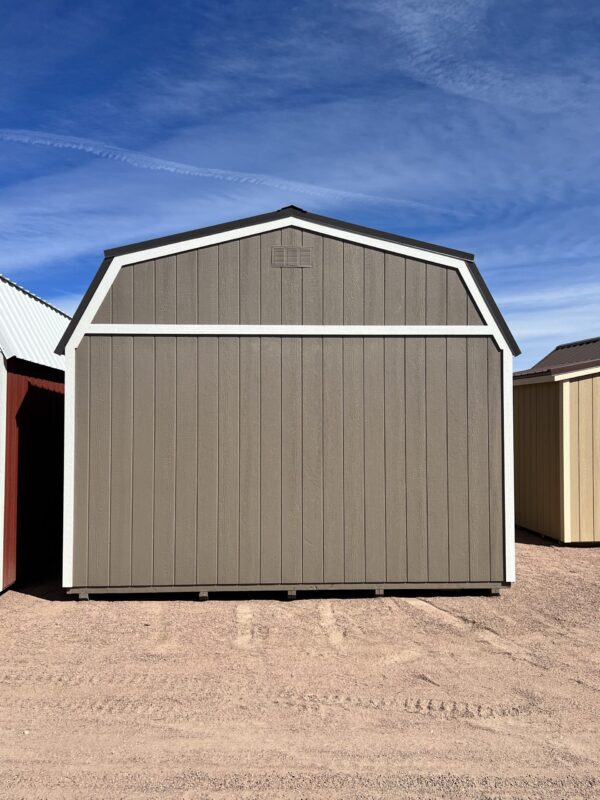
(566, 357)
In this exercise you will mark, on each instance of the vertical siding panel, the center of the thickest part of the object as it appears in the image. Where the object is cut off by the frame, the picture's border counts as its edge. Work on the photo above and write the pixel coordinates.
(229, 283)
(375, 545)
(208, 285)
(250, 281)
(574, 410)
(187, 288)
(291, 460)
(473, 316)
(144, 302)
(104, 313)
(229, 490)
(456, 303)
(437, 456)
(82, 458)
(100, 439)
(186, 465)
(496, 461)
(165, 423)
(374, 287)
(395, 459)
(395, 290)
(333, 461)
(291, 282)
(458, 470)
(354, 486)
(270, 280)
(121, 449)
(122, 297)
(270, 459)
(208, 459)
(333, 282)
(416, 459)
(586, 469)
(250, 458)
(166, 290)
(312, 460)
(479, 500)
(437, 292)
(416, 280)
(596, 465)
(143, 456)
(354, 273)
(312, 281)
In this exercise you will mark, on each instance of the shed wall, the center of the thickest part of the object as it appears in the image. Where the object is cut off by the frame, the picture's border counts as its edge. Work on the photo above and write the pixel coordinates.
(537, 431)
(236, 282)
(583, 451)
(226, 461)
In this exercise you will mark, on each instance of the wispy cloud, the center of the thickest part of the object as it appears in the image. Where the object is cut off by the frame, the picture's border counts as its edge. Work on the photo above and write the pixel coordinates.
(141, 161)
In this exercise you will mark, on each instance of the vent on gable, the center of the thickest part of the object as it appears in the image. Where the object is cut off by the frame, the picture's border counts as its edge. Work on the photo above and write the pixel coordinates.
(291, 256)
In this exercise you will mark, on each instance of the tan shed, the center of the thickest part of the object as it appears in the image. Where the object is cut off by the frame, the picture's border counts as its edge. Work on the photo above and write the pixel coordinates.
(557, 443)
(287, 402)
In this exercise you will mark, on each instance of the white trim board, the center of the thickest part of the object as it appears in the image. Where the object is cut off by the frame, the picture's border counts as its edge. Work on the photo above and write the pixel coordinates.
(3, 401)
(287, 330)
(69, 468)
(509, 468)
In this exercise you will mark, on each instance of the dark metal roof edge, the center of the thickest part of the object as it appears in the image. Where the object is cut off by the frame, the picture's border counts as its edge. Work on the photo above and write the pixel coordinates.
(560, 369)
(85, 301)
(281, 213)
(491, 304)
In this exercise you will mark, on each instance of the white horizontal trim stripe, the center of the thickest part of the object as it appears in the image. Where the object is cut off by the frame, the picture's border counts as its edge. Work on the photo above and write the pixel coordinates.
(290, 330)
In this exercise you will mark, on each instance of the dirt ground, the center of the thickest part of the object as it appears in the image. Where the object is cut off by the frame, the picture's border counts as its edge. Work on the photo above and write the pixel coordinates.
(404, 697)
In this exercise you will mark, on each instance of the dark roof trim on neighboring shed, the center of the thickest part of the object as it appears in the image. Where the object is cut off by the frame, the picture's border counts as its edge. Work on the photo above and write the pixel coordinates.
(284, 213)
(564, 358)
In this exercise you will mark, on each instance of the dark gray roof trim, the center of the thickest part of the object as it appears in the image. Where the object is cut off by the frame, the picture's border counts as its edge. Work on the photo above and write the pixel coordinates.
(282, 213)
(567, 357)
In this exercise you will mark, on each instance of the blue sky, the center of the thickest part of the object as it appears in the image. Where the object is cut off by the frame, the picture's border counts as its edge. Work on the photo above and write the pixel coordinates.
(473, 124)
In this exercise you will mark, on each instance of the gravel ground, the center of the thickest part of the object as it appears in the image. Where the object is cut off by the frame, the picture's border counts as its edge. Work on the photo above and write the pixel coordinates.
(414, 697)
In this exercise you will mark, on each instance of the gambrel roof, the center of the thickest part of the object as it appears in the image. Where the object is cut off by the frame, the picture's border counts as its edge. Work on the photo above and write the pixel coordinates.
(294, 215)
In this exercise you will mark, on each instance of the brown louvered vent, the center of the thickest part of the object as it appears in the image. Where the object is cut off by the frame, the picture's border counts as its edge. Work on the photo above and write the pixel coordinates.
(291, 256)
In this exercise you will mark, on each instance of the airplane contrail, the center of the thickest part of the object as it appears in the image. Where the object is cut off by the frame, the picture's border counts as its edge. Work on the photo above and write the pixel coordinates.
(134, 159)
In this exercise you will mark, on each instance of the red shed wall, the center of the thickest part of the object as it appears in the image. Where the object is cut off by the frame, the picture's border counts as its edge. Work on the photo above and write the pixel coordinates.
(34, 416)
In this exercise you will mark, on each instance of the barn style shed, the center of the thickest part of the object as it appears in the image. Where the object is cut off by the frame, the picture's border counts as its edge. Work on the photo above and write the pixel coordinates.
(287, 402)
(557, 443)
(31, 434)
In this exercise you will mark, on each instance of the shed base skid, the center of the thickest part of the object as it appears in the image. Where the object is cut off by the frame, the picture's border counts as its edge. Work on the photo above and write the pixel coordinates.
(202, 592)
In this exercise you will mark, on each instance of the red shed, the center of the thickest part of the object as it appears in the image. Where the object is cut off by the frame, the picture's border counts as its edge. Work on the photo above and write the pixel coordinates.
(31, 435)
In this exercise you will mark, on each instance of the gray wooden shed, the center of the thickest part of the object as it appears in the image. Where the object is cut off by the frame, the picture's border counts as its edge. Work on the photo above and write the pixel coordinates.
(287, 402)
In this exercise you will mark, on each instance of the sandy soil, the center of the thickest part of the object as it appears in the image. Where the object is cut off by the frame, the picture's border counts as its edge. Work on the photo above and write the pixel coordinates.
(413, 697)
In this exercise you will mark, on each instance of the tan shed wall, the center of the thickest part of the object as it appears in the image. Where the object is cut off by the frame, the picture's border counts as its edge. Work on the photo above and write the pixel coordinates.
(235, 283)
(216, 461)
(537, 425)
(583, 450)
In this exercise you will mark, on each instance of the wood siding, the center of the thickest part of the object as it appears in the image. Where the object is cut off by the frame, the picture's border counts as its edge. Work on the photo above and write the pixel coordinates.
(228, 461)
(537, 434)
(236, 283)
(583, 451)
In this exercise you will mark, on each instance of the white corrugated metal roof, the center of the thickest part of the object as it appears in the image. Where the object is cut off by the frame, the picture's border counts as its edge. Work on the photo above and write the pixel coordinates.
(29, 328)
